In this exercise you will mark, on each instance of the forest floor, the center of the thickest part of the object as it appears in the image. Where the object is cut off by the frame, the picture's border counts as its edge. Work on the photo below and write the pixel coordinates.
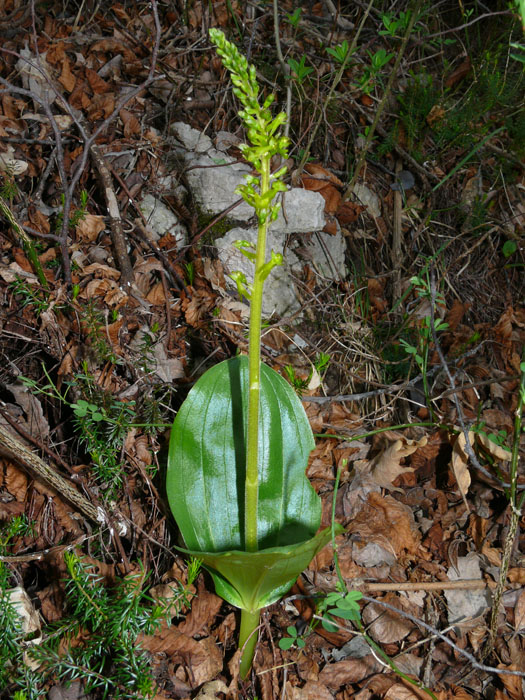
(410, 367)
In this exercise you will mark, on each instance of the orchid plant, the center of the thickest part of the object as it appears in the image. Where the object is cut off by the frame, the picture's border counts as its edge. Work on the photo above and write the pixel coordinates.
(240, 442)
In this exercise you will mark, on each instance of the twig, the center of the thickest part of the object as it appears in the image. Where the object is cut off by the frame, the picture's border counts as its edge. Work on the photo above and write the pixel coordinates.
(460, 416)
(435, 632)
(285, 68)
(115, 221)
(335, 83)
(382, 104)
(16, 450)
(515, 514)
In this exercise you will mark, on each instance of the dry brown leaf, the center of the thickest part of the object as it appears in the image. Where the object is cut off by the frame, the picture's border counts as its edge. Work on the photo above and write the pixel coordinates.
(513, 684)
(101, 271)
(317, 171)
(97, 84)
(519, 613)
(67, 79)
(460, 463)
(201, 302)
(101, 107)
(89, 227)
(96, 287)
(15, 482)
(384, 517)
(204, 609)
(384, 625)
(349, 671)
(211, 690)
(312, 690)
(517, 575)
(496, 451)
(400, 692)
(207, 669)
(436, 114)
(386, 466)
(131, 123)
(461, 71)
(157, 295)
(348, 212)
(455, 313)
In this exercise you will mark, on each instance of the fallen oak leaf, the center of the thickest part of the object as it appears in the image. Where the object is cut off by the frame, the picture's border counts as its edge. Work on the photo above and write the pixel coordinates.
(386, 467)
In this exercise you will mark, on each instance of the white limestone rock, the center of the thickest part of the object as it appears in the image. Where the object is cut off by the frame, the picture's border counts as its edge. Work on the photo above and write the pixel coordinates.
(162, 220)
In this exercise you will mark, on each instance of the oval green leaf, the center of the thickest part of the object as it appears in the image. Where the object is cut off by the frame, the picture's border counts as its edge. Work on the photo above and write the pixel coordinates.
(207, 462)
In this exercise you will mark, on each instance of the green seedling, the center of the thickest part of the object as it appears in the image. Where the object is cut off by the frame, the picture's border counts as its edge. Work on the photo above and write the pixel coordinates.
(420, 349)
(301, 70)
(189, 272)
(288, 642)
(339, 52)
(239, 445)
(378, 60)
(395, 26)
(520, 56)
(294, 18)
(509, 248)
(343, 605)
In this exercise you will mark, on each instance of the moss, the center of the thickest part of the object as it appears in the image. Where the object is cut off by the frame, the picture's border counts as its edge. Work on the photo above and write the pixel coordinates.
(218, 230)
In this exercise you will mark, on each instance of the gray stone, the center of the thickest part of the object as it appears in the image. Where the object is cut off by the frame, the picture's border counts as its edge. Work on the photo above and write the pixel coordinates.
(162, 220)
(325, 254)
(279, 295)
(192, 139)
(301, 211)
(368, 198)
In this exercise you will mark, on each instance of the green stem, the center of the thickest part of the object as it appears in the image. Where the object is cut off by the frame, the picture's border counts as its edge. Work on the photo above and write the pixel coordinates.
(254, 355)
(27, 243)
(248, 639)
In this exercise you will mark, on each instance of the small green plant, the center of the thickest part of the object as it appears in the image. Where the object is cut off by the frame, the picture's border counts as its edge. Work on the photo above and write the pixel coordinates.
(378, 61)
(421, 349)
(239, 445)
(344, 605)
(101, 421)
(189, 272)
(509, 248)
(339, 52)
(288, 642)
(395, 26)
(26, 295)
(294, 17)
(96, 642)
(301, 70)
(76, 216)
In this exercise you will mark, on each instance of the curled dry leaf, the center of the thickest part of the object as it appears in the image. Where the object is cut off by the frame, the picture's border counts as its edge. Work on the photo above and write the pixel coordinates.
(312, 690)
(89, 227)
(460, 463)
(519, 613)
(14, 481)
(386, 467)
(211, 690)
(206, 658)
(401, 692)
(385, 518)
(349, 671)
(496, 451)
(204, 609)
(385, 626)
